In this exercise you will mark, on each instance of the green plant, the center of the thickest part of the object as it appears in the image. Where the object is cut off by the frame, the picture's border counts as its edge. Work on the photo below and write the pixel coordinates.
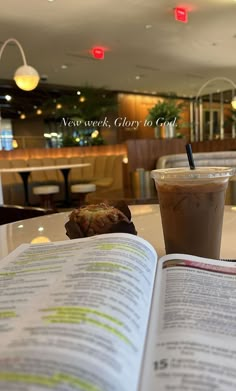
(69, 141)
(92, 104)
(231, 118)
(166, 110)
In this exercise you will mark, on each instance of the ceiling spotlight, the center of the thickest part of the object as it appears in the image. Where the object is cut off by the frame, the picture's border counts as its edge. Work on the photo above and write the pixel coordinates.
(26, 77)
(137, 77)
(22, 116)
(8, 97)
(39, 112)
(44, 78)
(58, 106)
(64, 66)
(82, 99)
(148, 26)
(78, 92)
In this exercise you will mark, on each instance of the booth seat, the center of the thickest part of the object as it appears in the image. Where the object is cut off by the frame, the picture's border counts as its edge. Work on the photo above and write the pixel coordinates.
(105, 171)
(201, 159)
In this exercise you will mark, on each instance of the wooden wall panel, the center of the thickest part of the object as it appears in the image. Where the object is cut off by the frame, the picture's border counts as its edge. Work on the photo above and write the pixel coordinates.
(136, 107)
(214, 145)
(144, 153)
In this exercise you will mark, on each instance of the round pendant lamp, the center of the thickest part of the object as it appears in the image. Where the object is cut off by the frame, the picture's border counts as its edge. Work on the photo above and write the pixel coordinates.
(26, 77)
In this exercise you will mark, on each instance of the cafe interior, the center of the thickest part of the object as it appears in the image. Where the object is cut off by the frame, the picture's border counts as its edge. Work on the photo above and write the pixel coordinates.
(118, 89)
(97, 99)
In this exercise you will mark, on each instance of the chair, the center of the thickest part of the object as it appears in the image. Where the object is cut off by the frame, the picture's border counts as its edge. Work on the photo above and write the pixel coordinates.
(82, 189)
(45, 193)
(201, 159)
(12, 213)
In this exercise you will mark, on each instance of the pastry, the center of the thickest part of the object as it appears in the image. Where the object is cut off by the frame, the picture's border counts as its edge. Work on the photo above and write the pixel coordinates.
(98, 219)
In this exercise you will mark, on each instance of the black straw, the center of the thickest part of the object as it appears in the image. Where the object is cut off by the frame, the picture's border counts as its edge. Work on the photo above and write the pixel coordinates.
(190, 156)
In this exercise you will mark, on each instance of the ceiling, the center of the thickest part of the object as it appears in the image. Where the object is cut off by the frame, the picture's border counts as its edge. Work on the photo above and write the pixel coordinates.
(147, 50)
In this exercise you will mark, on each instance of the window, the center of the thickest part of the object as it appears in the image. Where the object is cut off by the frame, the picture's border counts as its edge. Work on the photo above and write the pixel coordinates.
(6, 135)
(207, 115)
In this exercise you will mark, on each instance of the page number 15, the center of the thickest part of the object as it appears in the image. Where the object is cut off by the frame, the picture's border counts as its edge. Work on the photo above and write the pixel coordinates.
(161, 364)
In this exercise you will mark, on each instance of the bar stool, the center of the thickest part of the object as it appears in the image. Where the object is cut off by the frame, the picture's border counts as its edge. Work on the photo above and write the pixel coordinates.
(46, 193)
(82, 189)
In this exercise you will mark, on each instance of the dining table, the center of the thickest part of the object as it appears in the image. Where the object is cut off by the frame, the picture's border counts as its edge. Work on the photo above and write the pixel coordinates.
(25, 172)
(146, 218)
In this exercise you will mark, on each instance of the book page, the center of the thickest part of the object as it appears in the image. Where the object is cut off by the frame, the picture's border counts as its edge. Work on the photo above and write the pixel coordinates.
(192, 336)
(74, 314)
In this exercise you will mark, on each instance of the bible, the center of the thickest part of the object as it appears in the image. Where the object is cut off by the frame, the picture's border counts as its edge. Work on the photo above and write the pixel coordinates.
(103, 313)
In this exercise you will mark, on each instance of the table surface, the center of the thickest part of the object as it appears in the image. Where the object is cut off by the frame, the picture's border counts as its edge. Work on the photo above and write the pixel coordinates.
(40, 168)
(146, 218)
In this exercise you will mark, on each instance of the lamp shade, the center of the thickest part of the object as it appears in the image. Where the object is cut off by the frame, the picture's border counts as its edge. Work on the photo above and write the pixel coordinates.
(26, 78)
(233, 103)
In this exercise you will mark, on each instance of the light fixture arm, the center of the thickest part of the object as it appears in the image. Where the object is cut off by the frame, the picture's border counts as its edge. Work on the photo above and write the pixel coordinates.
(210, 81)
(17, 44)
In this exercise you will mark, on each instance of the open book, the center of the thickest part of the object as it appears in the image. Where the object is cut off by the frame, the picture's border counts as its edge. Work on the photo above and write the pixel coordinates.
(103, 314)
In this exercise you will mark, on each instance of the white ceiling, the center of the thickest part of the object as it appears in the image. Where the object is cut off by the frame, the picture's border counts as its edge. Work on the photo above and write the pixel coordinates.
(169, 57)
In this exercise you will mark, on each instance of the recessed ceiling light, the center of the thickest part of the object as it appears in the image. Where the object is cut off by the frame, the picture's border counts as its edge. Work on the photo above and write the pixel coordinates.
(8, 97)
(148, 26)
(64, 66)
(50, 1)
(78, 92)
(137, 77)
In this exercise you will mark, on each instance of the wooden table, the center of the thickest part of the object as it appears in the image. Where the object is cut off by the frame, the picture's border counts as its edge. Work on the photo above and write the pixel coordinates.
(146, 218)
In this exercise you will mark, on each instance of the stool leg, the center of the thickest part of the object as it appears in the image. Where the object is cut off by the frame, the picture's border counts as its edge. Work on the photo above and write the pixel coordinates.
(47, 202)
(81, 199)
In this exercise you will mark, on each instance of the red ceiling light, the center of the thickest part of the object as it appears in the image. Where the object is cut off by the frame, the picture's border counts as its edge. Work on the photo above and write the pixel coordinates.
(98, 53)
(181, 14)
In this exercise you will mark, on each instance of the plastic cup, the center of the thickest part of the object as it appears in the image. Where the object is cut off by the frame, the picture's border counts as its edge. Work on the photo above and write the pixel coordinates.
(192, 208)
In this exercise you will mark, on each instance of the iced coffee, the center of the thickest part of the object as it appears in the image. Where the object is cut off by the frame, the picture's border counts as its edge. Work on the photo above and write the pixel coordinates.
(192, 208)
